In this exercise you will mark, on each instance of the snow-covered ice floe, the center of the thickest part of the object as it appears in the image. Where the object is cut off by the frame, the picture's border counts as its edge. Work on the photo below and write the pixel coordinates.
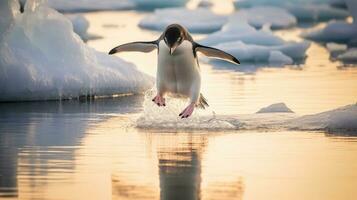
(200, 20)
(42, 58)
(339, 32)
(259, 16)
(303, 10)
(251, 45)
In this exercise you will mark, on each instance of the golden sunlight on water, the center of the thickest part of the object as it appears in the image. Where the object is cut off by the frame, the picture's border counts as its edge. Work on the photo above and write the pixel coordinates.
(117, 161)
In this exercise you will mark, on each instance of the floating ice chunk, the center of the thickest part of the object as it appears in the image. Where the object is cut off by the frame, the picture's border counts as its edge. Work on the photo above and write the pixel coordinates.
(350, 56)
(201, 20)
(277, 107)
(42, 58)
(334, 31)
(340, 119)
(278, 58)
(240, 30)
(303, 10)
(276, 17)
(258, 53)
(153, 4)
(336, 49)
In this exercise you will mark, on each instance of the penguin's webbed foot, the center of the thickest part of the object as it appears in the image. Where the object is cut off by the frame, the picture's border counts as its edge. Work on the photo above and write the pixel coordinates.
(159, 100)
(187, 111)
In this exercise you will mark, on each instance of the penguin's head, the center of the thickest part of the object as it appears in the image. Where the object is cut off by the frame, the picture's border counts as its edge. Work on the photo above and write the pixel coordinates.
(173, 37)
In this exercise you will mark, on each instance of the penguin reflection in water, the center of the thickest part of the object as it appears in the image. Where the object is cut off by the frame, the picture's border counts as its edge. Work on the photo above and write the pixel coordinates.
(178, 70)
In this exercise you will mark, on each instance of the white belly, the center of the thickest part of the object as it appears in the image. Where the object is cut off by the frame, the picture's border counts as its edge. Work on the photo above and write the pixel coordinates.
(178, 73)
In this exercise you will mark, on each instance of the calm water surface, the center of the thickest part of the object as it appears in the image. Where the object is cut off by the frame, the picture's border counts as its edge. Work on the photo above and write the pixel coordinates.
(92, 150)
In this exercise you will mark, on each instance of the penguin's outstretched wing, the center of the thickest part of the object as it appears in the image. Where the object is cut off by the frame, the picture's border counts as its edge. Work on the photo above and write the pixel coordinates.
(135, 46)
(216, 53)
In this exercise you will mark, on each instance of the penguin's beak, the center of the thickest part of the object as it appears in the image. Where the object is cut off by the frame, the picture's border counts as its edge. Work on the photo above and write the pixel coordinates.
(172, 49)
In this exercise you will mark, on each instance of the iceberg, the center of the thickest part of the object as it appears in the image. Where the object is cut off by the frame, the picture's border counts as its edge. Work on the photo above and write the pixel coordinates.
(303, 10)
(275, 17)
(200, 20)
(274, 108)
(43, 59)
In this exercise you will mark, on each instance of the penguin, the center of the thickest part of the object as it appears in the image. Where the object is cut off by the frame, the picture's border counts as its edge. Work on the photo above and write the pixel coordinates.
(178, 70)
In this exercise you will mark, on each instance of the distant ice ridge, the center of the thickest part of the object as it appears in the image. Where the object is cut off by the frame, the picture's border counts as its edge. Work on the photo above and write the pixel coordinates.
(303, 10)
(42, 59)
(251, 45)
(200, 20)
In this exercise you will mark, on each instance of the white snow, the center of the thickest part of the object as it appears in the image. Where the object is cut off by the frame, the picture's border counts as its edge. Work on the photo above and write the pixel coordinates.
(259, 16)
(303, 10)
(200, 20)
(278, 58)
(274, 108)
(42, 58)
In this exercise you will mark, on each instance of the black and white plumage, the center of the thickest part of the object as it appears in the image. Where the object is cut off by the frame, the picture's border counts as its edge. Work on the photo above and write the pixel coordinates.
(178, 70)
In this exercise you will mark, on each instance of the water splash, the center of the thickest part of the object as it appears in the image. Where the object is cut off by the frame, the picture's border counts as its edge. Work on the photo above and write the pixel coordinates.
(167, 118)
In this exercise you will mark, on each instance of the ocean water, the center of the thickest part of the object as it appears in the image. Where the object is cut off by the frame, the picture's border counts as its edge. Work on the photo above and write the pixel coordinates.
(110, 149)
